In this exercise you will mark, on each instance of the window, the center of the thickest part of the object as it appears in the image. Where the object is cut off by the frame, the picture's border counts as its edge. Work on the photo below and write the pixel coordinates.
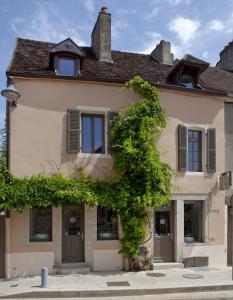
(162, 223)
(68, 66)
(193, 221)
(194, 151)
(92, 134)
(187, 81)
(107, 225)
(41, 224)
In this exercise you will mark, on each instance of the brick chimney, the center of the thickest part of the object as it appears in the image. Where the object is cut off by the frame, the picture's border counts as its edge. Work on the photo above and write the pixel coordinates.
(101, 36)
(226, 58)
(162, 53)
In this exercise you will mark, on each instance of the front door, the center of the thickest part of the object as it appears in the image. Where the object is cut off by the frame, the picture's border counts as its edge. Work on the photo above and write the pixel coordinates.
(164, 234)
(2, 246)
(73, 233)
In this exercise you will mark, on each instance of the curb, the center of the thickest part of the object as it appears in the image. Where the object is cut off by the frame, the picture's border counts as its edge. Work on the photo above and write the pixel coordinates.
(115, 293)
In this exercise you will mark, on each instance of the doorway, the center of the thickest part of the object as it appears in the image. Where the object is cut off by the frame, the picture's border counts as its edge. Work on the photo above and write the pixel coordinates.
(164, 234)
(72, 233)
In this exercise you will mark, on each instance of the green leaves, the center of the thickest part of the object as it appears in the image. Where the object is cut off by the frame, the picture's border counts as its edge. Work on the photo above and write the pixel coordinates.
(142, 179)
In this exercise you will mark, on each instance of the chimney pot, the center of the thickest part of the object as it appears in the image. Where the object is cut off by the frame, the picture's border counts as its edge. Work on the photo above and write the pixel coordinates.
(104, 9)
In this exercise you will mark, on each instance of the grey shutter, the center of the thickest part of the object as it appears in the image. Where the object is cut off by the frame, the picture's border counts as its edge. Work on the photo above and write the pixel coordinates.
(211, 150)
(111, 116)
(73, 130)
(182, 148)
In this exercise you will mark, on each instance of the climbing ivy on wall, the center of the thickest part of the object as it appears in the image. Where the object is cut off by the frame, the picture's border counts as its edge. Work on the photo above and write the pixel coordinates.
(142, 179)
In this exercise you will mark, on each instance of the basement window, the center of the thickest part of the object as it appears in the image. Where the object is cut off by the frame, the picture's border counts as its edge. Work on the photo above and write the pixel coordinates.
(40, 224)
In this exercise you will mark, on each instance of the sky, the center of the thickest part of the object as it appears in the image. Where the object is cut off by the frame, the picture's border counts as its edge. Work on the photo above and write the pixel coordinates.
(198, 27)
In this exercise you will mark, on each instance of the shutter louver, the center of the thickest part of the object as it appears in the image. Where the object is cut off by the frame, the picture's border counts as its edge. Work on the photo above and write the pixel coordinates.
(211, 150)
(111, 116)
(73, 131)
(182, 148)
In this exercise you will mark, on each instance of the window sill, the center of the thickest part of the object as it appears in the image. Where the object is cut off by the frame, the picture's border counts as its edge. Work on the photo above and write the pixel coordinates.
(107, 240)
(39, 243)
(194, 244)
(194, 173)
(94, 155)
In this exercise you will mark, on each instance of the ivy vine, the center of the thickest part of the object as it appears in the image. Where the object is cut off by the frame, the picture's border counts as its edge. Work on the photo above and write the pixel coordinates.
(142, 179)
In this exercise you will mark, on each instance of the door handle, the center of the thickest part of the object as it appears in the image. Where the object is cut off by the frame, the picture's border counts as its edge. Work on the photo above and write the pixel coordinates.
(82, 236)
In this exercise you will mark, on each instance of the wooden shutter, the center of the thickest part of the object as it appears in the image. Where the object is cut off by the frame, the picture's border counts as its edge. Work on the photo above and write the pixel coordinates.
(182, 148)
(111, 116)
(211, 150)
(73, 131)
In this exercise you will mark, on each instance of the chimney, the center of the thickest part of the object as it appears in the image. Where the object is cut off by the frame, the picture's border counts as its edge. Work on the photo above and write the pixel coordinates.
(226, 58)
(101, 36)
(162, 53)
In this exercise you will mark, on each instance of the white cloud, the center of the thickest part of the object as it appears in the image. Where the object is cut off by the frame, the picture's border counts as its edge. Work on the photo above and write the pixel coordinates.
(216, 25)
(153, 39)
(89, 5)
(205, 54)
(176, 2)
(117, 28)
(185, 29)
(41, 27)
(152, 13)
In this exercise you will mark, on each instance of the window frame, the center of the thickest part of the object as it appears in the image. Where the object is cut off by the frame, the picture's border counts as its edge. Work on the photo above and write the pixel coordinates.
(97, 226)
(92, 116)
(33, 240)
(200, 148)
(202, 202)
(77, 64)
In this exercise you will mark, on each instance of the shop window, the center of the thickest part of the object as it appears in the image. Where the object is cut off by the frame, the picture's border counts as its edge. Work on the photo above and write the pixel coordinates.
(193, 221)
(107, 224)
(41, 224)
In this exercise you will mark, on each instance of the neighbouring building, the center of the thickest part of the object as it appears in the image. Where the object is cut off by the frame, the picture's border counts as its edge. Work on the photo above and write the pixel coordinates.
(68, 95)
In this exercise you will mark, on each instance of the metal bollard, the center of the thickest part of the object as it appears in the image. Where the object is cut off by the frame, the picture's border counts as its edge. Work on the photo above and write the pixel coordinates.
(44, 277)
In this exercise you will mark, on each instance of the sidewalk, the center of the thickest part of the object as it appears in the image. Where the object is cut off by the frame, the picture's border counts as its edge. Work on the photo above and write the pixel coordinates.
(122, 284)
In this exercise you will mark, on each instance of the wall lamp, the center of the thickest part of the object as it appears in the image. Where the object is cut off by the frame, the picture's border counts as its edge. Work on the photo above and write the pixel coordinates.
(11, 94)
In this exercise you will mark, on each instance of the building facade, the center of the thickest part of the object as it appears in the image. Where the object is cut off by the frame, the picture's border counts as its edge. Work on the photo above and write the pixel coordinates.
(61, 123)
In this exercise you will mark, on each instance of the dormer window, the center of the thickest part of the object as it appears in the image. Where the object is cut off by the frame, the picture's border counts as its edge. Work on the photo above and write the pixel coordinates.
(67, 66)
(187, 81)
(66, 58)
(187, 72)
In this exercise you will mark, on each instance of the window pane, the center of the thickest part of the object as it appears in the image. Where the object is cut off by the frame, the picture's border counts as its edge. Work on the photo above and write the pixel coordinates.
(194, 151)
(41, 224)
(66, 67)
(193, 222)
(107, 225)
(86, 134)
(98, 135)
(162, 222)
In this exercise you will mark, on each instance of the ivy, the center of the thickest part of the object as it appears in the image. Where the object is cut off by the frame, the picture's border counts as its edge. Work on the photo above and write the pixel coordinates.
(142, 179)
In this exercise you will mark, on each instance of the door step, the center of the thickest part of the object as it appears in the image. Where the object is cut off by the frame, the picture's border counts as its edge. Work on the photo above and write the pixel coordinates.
(73, 268)
(167, 265)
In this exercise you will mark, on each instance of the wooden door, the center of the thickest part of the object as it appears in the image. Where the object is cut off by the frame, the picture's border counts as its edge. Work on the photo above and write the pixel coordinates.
(73, 233)
(2, 246)
(164, 234)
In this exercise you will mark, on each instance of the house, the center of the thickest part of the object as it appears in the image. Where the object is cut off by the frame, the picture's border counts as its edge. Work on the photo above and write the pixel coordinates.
(68, 95)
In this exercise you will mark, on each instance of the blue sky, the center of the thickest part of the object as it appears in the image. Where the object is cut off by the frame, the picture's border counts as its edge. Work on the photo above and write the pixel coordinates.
(198, 27)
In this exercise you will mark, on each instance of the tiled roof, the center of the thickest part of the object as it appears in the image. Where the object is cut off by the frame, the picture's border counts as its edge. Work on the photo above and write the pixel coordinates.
(31, 59)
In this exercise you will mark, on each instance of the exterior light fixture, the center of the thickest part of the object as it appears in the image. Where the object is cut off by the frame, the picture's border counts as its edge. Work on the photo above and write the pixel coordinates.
(11, 94)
